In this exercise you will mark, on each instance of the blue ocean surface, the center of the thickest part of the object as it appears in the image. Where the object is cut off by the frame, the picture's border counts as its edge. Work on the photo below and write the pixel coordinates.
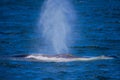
(95, 32)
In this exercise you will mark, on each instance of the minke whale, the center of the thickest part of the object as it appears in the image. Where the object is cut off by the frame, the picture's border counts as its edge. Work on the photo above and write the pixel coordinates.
(58, 57)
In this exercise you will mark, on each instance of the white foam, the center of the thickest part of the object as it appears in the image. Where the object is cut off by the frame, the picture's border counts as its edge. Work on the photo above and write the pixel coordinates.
(62, 59)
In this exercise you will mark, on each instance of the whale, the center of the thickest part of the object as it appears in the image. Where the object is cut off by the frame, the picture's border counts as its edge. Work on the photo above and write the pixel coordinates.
(59, 57)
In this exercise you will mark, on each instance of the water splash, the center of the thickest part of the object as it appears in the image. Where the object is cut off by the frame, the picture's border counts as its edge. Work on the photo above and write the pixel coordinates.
(56, 18)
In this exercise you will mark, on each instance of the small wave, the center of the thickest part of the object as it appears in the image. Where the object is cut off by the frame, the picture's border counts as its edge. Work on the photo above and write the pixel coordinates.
(46, 58)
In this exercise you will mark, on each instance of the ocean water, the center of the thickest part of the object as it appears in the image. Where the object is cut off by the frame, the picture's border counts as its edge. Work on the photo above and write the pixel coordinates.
(95, 32)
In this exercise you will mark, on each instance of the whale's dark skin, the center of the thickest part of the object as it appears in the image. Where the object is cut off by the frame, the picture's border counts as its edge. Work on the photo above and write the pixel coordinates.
(20, 56)
(61, 55)
(57, 55)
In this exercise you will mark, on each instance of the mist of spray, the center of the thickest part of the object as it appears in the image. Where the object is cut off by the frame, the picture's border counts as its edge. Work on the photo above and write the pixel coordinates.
(55, 19)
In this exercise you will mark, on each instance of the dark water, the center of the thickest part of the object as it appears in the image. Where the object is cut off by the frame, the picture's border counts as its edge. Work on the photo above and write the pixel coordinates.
(95, 32)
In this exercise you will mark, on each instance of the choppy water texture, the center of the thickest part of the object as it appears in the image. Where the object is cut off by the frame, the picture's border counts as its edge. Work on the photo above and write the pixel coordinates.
(95, 32)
